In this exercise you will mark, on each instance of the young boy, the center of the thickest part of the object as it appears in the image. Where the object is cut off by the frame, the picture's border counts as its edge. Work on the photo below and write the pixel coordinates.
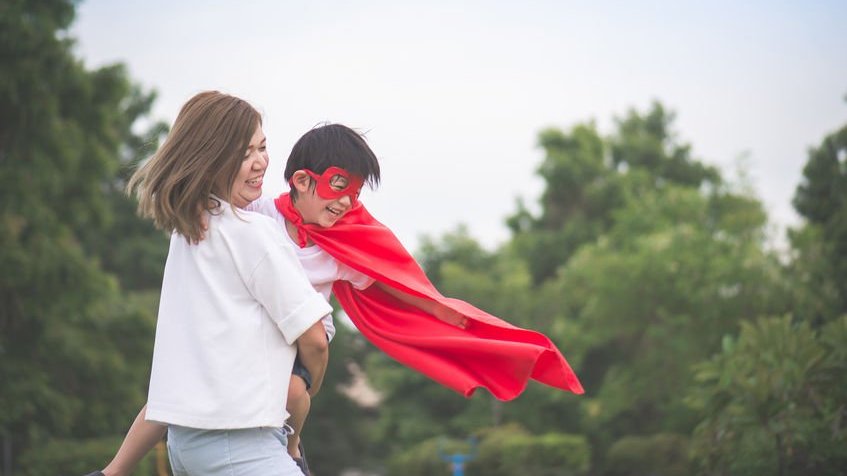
(383, 290)
(446, 339)
(346, 163)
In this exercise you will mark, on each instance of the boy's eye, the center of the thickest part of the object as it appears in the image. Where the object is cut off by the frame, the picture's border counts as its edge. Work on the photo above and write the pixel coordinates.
(338, 182)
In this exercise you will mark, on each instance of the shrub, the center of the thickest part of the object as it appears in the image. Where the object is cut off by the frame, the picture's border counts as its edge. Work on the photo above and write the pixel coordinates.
(662, 454)
(75, 457)
(420, 460)
(551, 454)
(511, 450)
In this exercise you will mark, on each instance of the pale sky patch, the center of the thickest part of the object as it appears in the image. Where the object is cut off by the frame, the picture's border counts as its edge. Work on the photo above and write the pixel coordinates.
(453, 94)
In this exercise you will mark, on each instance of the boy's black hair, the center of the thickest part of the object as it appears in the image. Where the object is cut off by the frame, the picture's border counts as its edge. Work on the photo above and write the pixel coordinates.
(333, 145)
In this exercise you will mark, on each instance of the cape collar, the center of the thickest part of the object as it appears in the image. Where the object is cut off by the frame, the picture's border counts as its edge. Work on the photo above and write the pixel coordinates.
(285, 206)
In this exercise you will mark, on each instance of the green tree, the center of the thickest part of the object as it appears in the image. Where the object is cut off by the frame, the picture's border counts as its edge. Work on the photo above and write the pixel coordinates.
(126, 245)
(647, 142)
(676, 272)
(74, 349)
(583, 174)
(581, 190)
(774, 401)
(809, 276)
(821, 198)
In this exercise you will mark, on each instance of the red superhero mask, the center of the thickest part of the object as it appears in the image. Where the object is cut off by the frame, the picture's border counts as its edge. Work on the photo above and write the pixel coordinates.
(336, 182)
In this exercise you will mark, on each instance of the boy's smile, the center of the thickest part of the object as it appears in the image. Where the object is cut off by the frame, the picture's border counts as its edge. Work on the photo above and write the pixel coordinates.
(320, 211)
(336, 211)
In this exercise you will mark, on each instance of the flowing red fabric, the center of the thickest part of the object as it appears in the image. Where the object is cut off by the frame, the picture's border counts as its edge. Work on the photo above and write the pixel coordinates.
(489, 353)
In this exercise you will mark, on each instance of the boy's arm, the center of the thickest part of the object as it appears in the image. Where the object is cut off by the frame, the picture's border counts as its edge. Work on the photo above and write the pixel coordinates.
(313, 350)
(431, 307)
(141, 438)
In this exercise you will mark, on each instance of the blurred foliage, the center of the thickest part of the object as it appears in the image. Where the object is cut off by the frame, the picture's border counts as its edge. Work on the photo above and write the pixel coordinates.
(821, 198)
(338, 431)
(664, 454)
(548, 454)
(501, 451)
(585, 176)
(511, 449)
(422, 459)
(774, 401)
(74, 345)
(654, 296)
(77, 457)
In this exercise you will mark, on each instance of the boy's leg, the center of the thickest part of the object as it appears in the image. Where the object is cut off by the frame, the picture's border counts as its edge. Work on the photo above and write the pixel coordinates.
(140, 439)
(299, 403)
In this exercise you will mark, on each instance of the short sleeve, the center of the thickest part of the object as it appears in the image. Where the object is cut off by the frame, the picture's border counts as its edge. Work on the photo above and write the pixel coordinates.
(263, 205)
(358, 279)
(279, 283)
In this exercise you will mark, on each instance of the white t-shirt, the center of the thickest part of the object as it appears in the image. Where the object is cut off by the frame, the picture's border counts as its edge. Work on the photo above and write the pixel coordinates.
(321, 268)
(231, 310)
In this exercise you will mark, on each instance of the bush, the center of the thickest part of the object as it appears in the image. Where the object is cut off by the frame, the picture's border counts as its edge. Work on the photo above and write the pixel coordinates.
(490, 458)
(423, 459)
(552, 454)
(510, 450)
(773, 401)
(77, 457)
(504, 451)
(662, 454)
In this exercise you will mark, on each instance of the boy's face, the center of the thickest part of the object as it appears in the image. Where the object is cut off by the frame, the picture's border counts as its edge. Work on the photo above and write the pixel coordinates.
(324, 199)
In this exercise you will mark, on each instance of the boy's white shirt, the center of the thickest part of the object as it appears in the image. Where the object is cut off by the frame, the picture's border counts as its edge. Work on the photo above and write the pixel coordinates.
(231, 310)
(320, 267)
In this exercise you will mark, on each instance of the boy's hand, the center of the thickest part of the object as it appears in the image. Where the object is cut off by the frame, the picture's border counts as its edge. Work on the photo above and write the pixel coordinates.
(440, 311)
(450, 316)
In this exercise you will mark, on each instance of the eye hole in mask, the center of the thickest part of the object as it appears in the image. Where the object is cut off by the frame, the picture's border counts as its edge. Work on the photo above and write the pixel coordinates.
(336, 182)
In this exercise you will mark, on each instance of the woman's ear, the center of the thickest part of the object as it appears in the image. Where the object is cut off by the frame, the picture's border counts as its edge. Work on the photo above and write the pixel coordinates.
(301, 181)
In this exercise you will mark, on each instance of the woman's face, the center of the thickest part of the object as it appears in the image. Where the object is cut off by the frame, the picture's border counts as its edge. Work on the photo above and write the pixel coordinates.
(248, 183)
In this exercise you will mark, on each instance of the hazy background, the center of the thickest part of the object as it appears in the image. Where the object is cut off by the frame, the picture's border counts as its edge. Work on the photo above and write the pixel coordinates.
(452, 95)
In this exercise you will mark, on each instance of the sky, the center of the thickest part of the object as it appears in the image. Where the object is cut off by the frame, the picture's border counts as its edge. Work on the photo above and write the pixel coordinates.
(452, 95)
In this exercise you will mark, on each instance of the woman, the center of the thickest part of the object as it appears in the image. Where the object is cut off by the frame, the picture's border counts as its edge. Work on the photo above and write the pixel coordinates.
(235, 305)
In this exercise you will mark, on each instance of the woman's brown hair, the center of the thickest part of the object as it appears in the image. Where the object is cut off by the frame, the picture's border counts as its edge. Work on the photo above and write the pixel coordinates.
(201, 156)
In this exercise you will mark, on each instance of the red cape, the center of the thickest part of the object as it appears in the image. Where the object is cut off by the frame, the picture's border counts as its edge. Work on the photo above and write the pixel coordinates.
(489, 353)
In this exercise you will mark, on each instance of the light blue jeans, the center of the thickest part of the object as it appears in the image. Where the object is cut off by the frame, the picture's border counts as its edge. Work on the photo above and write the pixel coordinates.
(249, 451)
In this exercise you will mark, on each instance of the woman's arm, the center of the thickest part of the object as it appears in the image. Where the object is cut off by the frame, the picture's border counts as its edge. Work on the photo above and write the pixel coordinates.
(437, 309)
(140, 439)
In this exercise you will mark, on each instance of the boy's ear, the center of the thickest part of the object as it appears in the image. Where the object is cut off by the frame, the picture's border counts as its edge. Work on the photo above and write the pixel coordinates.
(301, 181)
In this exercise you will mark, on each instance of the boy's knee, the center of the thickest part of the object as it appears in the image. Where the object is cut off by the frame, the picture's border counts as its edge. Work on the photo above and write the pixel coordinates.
(297, 388)
(299, 401)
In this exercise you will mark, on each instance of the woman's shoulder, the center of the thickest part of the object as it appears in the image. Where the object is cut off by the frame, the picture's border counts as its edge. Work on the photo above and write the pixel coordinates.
(252, 225)
(264, 205)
